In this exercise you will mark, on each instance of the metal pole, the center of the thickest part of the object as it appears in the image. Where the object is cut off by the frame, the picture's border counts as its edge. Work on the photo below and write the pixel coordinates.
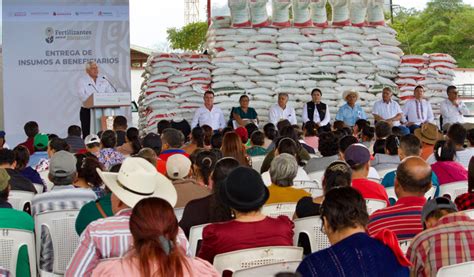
(208, 12)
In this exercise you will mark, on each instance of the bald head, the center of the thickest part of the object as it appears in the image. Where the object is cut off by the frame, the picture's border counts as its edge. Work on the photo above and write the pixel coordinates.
(413, 177)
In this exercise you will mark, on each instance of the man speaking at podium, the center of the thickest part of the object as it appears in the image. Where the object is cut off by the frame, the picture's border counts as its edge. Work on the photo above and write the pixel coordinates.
(88, 85)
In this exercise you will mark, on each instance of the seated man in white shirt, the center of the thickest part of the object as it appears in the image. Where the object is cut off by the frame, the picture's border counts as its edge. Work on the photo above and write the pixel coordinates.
(282, 111)
(418, 110)
(453, 109)
(209, 114)
(388, 110)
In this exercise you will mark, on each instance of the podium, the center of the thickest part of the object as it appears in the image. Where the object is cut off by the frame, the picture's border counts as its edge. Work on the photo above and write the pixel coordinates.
(104, 107)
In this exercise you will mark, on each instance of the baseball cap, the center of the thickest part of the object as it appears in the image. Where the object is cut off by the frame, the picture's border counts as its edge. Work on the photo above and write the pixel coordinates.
(62, 164)
(40, 141)
(243, 134)
(178, 166)
(356, 154)
(93, 138)
(2, 134)
(436, 204)
(4, 178)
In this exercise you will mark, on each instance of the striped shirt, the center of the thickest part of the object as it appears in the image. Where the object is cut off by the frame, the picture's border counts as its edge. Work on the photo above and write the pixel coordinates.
(403, 218)
(61, 198)
(107, 238)
(450, 242)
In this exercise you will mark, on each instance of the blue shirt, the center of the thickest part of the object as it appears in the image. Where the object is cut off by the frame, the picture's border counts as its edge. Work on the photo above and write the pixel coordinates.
(36, 157)
(389, 181)
(350, 115)
(356, 255)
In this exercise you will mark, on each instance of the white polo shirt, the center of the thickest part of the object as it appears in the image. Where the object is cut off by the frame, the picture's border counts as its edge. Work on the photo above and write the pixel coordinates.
(277, 114)
(87, 86)
(387, 110)
(213, 118)
(452, 114)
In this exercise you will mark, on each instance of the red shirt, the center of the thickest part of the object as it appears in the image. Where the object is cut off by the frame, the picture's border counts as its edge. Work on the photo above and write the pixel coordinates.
(29, 144)
(370, 189)
(161, 162)
(235, 235)
(403, 218)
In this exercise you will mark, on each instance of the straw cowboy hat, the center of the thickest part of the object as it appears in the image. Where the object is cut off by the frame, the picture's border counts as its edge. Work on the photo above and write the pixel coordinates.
(138, 179)
(428, 133)
(349, 92)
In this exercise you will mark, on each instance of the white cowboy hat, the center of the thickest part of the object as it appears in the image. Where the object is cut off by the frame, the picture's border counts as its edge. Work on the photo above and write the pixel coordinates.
(136, 180)
(349, 92)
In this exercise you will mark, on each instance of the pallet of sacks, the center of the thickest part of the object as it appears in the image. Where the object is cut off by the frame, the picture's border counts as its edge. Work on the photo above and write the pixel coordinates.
(172, 88)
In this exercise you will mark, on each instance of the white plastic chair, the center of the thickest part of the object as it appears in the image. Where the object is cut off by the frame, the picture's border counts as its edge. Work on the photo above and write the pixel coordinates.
(462, 269)
(315, 192)
(10, 242)
(44, 175)
(179, 213)
(39, 188)
(404, 245)
(453, 189)
(311, 226)
(257, 162)
(470, 213)
(374, 204)
(195, 235)
(391, 193)
(61, 226)
(382, 172)
(19, 198)
(268, 270)
(247, 258)
(430, 194)
(274, 210)
(316, 176)
(306, 184)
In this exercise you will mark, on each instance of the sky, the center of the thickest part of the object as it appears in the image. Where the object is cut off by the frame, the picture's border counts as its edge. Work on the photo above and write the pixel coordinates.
(149, 19)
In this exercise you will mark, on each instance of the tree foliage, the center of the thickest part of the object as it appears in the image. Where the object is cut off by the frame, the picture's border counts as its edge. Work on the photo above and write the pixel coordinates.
(445, 26)
(189, 38)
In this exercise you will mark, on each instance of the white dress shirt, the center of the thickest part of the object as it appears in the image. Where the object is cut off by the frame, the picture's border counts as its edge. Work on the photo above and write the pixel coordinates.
(87, 87)
(316, 119)
(213, 118)
(452, 114)
(387, 110)
(418, 111)
(277, 113)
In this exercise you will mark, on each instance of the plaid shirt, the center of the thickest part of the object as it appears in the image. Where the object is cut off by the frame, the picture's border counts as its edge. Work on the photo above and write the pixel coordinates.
(450, 242)
(104, 239)
(465, 201)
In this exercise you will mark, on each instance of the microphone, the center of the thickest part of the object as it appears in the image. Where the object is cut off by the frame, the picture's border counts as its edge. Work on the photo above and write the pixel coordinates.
(103, 77)
(91, 85)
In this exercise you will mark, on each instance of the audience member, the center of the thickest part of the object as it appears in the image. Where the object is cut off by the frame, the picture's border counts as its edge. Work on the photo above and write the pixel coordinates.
(428, 134)
(172, 140)
(152, 141)
(465, 201)
(338, 125)
(328, 148)
(446, 169)
(310, 132)
(120, 128)
(74, 139)
(412, 182)
(63, 196)
(110, 237)
(251, 128)
(197, 140)
(353, 251)
(457, 134)
(210, 209)
(337, 174)
(87, 176)
(155, 236)
(271, 134)
(17, 220)
(108, 156)
(183, 126)
(232, 147)
(162, 125)
(178, 169)
(358, 158)
(40, 144)
(216, 141)
(203, 163)
(208, 132)
(418, 110)
(470, 139)
(281, 110)
(209, 114)
(132, 143)
(359, 125)
(367, 139)
(92, 143)
(390, 158)
(3, 141)
(245, 192)
(31, 129)
(382, 131)
(351, 111)
(283, 172)
(347, 141)
(447, 239)
(147, 154)
(257, 140)
(243, 134)
(17, 180)
(22, 156)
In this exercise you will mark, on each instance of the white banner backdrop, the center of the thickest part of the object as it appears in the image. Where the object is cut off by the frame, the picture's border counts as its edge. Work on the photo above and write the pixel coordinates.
(46, 44)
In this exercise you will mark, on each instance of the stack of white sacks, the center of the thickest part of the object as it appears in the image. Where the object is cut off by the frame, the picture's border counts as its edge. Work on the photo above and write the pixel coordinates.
(172, 88)
(263, 62)
(432, 71)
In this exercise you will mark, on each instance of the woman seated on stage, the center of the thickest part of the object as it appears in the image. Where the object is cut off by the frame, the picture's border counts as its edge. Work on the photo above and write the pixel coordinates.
(243, 114)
